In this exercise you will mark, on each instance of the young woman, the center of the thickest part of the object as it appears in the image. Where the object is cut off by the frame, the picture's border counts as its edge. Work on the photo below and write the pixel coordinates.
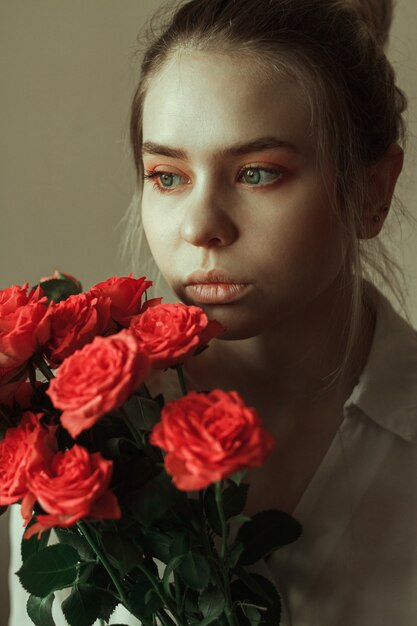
(267, 141)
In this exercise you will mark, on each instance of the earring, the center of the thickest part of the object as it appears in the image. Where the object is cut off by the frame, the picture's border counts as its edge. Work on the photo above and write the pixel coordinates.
(377, 218)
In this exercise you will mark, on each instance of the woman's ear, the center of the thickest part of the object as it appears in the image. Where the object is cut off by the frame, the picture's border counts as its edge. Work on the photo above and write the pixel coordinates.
(383, 178)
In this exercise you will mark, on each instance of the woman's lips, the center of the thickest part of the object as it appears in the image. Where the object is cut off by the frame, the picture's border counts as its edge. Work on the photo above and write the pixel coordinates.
(217, 293)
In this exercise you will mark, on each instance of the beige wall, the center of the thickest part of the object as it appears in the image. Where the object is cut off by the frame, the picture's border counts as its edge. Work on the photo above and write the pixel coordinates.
(67, 72)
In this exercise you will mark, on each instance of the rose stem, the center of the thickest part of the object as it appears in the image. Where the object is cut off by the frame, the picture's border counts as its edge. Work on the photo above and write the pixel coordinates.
(165, 619)
(218, 492)
(225, 531)
(105, 562)
(150, 577)
(41, 364)
(206, 542)
(181, 379)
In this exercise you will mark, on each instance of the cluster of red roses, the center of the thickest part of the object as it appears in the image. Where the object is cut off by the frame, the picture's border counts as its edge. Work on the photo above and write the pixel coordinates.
(102, 345)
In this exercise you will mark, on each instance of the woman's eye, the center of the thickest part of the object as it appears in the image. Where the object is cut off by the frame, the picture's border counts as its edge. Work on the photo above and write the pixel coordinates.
(165, 181)
(259, 176)
(169, 180)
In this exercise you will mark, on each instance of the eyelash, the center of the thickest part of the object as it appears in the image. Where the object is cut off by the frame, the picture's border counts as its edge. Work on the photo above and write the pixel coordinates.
(154, 175)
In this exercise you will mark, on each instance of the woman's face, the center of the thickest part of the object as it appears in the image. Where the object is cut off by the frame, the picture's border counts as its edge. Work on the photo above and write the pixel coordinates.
(232, 184)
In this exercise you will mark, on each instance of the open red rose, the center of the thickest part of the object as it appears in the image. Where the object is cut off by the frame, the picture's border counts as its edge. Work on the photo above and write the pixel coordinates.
(97, 379)
(209, 437)
(24, 447)
(125, 294)
(24, 324)
(73, 487)
(74, 323)
(170, 333)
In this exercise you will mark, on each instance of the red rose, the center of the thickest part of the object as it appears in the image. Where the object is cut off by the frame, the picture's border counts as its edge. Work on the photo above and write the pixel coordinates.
(170, 333)
(10, 381)
(209, 437)
(125, 294)
(74, 323)
(73, 487)
(97, 379)
(24, 324)
(24, 447)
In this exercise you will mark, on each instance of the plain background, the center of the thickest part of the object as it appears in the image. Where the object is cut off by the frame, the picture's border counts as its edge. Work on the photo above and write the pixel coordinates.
(67, 73)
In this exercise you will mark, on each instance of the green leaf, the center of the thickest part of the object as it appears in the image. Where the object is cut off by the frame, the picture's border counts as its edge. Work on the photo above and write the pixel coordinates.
(117, 447)
(71, 537)
(106, 602)
(154, 499)
(195, 571)
(86, 604)
(211, 602)
(252, 613)
(171, 566)
(180, 544)
(259, 591)
(210, 619)
(238, 477)
(58, 289)
(143, 412)
(234, 499)
(265, 532)
(122, 551)
(234, 554)
(50, 569)
(143, 601)
(40, 610)
(157, 545)
(31, 546)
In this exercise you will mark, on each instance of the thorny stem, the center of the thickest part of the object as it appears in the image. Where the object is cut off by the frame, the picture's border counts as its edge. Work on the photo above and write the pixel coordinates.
(105, 562)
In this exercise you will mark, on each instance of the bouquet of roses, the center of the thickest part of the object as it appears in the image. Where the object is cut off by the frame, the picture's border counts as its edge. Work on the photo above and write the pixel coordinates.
(141, 495)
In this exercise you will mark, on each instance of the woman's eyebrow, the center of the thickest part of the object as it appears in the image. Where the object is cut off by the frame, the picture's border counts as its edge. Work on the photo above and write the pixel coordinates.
(256, 145)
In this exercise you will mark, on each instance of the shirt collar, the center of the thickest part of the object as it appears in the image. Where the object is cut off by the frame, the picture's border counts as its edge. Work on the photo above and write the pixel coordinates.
(387, 388)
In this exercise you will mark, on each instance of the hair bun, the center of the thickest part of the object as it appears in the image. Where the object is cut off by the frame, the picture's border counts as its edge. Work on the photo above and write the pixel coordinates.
(378, 16)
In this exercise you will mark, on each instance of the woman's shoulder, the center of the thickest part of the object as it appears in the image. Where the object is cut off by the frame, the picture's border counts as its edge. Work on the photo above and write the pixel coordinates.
(387, 389)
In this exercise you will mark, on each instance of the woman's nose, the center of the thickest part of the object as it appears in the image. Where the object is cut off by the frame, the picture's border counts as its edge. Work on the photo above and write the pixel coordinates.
(206, 221)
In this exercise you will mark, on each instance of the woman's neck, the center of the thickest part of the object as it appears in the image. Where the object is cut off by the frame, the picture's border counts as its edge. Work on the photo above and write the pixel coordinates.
(288, 367)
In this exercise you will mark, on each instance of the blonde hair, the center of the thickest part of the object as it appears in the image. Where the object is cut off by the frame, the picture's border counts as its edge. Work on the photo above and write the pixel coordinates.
(334, 50)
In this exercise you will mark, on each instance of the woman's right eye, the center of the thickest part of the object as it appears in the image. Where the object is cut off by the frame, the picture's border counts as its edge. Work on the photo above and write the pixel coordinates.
(165, 181)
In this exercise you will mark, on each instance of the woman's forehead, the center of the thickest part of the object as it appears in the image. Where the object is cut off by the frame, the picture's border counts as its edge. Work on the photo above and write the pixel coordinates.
(220, 100)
